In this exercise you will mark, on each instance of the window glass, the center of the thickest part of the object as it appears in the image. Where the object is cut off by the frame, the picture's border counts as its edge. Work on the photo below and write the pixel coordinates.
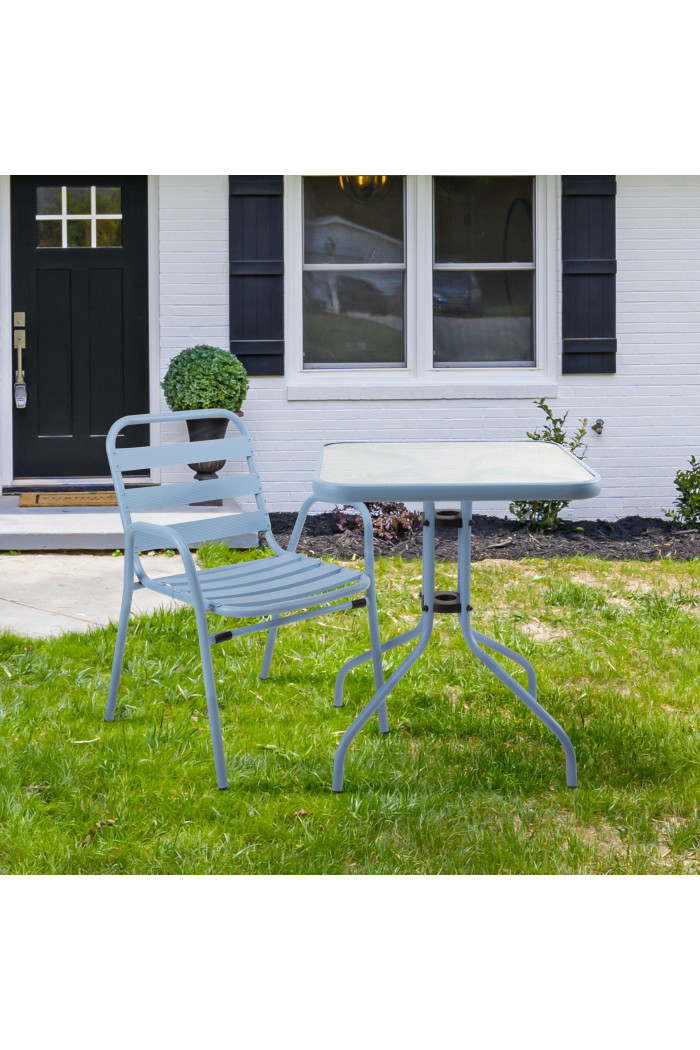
(109, 233)
(483, 218)
(78, 200)
(482, 316)
(48, 233)
(353, 318)
(78, 233)
(108, 200)
(340, 229)
(48, 200)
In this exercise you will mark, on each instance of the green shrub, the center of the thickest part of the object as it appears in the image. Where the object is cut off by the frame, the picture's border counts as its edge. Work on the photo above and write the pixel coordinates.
(205, 377)
(688, 501)
(543, 515)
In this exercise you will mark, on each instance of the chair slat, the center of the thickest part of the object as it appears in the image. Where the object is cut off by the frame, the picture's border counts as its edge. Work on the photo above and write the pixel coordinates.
(220, 527)
(177, 493)
(286, 604)
(175, 453)
(289, 587)
(214, 579)
(313, 578)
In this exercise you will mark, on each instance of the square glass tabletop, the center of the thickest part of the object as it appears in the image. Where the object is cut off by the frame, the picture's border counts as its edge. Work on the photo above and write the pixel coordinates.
(452, 470)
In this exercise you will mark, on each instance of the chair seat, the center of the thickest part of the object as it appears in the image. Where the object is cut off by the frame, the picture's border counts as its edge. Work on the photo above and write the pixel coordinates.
(281, 583)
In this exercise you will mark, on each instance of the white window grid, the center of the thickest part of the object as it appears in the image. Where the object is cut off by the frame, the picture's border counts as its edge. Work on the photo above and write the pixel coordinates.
(65, 218)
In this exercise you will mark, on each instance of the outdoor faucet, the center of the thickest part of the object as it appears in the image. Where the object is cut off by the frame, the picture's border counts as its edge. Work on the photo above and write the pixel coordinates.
(598, 426)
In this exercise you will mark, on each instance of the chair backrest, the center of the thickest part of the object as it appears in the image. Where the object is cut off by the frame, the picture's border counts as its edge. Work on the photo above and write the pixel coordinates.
(171, 494)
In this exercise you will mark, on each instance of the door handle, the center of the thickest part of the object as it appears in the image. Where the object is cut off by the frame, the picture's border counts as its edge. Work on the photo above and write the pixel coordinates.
(20, 387)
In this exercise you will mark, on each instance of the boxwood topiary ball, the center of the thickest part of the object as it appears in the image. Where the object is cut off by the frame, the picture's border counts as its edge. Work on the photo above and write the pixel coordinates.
(205, 377)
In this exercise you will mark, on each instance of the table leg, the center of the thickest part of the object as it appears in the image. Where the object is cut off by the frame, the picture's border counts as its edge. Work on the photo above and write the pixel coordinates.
(356, 661)
(424, 629)
(472, 638)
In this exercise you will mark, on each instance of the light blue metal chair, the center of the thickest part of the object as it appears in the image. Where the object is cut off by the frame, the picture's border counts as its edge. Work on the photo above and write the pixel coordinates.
(284, 588)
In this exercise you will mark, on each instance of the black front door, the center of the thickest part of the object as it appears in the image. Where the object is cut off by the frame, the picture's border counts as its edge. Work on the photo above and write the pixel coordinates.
(80, 285)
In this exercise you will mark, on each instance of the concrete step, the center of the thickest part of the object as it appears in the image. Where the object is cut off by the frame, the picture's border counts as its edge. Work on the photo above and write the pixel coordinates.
(91, 528)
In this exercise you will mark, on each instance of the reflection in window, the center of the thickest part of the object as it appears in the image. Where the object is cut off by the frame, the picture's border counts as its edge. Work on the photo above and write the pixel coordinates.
(354, 276)
(78, 217)
(48, 233)
(483, 270)
(353, 317)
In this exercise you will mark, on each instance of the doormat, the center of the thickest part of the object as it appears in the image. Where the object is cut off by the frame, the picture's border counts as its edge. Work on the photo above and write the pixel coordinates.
(68, 499)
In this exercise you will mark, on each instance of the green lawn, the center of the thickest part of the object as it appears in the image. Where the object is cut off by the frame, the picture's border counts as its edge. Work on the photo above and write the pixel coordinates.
(467, 780)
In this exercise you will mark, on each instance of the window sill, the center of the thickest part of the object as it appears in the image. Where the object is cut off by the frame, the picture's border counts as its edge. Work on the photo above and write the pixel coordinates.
(413, 389)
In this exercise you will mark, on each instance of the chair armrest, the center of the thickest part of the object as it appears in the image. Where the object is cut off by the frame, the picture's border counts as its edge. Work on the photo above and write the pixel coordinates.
(366, 524)
(170, 538)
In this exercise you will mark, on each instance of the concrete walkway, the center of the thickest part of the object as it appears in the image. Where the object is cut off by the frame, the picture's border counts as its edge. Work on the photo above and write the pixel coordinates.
(42, 595)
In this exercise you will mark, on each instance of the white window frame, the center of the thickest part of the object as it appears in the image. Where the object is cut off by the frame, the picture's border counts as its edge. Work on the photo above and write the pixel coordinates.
(420, 380)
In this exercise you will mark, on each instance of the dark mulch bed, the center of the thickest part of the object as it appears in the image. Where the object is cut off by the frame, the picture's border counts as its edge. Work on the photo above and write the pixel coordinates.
(647, 539)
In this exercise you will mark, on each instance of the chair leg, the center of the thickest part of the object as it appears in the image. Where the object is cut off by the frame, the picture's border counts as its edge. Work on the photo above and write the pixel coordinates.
(376, 647)
(212, 703)
(269, 649)
(127, 595)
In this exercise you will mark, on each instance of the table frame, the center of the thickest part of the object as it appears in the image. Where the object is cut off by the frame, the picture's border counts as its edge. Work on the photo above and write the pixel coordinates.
(423, 631)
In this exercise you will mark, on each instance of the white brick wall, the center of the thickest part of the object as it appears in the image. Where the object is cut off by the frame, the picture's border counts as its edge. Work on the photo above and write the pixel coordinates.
(193, 256)
(193, 240)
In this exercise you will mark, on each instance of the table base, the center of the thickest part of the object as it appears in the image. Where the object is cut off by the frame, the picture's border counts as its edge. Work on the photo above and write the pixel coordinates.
(474, 640)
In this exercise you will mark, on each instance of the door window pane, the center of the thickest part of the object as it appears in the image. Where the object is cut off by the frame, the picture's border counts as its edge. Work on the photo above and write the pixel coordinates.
(482, 316)
(48, 200)
(483, 218)
(109, 233)
(78, 233)
(340, 229)
(108, 200)
(78, 200)
(353, 318)
(48, 233)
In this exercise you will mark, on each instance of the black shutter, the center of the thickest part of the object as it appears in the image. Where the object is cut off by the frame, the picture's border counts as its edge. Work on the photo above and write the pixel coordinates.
(588, 273)
(256, 281)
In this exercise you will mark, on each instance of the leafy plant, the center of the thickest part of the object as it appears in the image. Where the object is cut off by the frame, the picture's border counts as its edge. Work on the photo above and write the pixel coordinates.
(389, 520)
(543, 515)
(205, 377)
(688, 501)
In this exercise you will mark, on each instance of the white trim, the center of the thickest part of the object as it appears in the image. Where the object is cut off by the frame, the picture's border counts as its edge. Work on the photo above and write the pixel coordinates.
(422, 254)
(548, 259)
(6, 377)
(154, 391)
(293, 276)
(420, 379)
(413, 389)
(62, 483)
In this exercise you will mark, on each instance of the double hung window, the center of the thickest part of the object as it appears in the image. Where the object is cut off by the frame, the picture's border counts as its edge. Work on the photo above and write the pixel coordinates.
(422, 275)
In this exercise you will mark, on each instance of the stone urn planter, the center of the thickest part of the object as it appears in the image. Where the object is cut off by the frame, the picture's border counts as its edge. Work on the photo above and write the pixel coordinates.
(205, 377)
(207, 430)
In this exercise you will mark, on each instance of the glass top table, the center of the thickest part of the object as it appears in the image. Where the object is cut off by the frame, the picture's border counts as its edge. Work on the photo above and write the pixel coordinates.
(459, 471)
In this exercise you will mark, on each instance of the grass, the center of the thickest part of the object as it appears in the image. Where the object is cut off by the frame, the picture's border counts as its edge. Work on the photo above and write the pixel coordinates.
(467, 781)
